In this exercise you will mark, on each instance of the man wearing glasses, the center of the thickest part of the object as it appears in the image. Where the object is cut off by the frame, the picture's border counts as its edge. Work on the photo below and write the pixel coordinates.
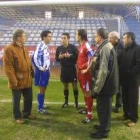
(105, 81)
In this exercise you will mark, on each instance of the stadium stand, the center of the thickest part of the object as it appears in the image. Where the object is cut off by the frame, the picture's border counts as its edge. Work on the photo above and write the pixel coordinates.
(64, 19)
(34, 27)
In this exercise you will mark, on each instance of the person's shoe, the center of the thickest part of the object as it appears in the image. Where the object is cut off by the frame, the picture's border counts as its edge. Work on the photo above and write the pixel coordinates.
(98, 135)
(65, 105)
(42, 111)
(97, 127)
(122, 118)
(130, 124)
(86, 120)
(44, 106)
(76, 106)
(31, 117)
(83, 111)
(20, 121)
(116, 109)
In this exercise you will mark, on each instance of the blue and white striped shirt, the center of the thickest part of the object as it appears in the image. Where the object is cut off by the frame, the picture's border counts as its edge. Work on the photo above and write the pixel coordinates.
(42, 56)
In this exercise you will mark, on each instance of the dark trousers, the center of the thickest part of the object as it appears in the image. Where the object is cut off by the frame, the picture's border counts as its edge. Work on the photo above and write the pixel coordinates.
(104, 107)
(130, 102)
(27, 95)
(119, 98)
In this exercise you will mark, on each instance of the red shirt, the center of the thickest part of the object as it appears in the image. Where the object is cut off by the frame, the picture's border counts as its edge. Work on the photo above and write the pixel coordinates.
(84, 56)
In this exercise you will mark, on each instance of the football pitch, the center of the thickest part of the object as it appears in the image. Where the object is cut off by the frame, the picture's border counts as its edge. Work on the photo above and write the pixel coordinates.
(61, 124)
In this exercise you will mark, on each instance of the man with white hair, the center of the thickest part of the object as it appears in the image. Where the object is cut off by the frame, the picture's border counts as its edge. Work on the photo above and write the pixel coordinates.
(115, 41)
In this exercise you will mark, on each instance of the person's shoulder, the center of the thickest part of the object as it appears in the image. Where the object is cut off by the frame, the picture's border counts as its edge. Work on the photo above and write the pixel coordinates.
(72, 45)
(40, 45)
(138, 46)
(59, 47)
(120, 45)
(9, 47)
(108, 45)
(87, 46)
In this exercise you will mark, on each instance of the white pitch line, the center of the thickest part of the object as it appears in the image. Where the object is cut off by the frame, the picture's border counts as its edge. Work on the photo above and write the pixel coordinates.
(35, 102)
(51, 103)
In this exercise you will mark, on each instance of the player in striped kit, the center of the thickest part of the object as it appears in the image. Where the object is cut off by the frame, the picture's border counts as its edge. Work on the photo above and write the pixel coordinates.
(41, 60)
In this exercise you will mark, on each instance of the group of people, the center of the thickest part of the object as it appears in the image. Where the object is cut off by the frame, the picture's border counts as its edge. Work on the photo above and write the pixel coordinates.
(68, 56)
(113, 68)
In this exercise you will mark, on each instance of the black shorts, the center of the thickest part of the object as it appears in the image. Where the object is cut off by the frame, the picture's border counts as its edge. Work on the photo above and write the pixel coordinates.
(68, 74)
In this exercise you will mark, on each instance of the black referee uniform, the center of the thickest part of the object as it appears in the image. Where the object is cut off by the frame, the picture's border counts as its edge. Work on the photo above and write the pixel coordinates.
(68, 69)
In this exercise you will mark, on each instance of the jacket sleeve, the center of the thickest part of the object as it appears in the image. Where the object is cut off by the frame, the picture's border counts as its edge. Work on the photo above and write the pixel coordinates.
(103, 69)
(8, 65)
(136, 68)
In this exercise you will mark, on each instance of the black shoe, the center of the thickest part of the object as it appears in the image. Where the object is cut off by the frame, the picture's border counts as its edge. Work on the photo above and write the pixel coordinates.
(98, 135)
(65, 105)
(97, 127)
(117, 109)
(83, 112)
(76, 106)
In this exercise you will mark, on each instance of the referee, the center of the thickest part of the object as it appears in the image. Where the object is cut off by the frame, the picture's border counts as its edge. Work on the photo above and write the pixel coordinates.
(67, 54)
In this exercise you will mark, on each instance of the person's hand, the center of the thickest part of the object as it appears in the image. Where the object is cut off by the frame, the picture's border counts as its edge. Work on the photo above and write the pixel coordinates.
(61, 56)
(15, 85)
(84, 71)
(94, 94)
(42, 69)
(67, 55)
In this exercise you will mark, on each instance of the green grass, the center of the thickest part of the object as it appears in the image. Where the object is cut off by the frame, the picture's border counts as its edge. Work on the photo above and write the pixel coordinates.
(54, 92)
(62, 124)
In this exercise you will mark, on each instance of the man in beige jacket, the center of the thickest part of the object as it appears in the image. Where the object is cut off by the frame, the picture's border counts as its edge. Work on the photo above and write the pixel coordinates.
(17, 66)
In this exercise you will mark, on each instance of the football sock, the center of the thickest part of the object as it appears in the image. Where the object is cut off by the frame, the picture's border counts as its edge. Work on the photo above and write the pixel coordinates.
(76, 96)
(40, 99)
(89, 107)
(66, 95)
(85, 99)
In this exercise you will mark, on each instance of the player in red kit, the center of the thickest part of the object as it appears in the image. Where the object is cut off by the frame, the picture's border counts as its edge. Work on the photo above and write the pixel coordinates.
(84, 63)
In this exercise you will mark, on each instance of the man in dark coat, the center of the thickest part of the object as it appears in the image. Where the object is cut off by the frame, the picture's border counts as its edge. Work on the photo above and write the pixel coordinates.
(130, 78)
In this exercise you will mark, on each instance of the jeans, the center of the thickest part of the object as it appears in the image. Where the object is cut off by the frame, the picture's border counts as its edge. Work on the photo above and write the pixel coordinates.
(27, 95)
